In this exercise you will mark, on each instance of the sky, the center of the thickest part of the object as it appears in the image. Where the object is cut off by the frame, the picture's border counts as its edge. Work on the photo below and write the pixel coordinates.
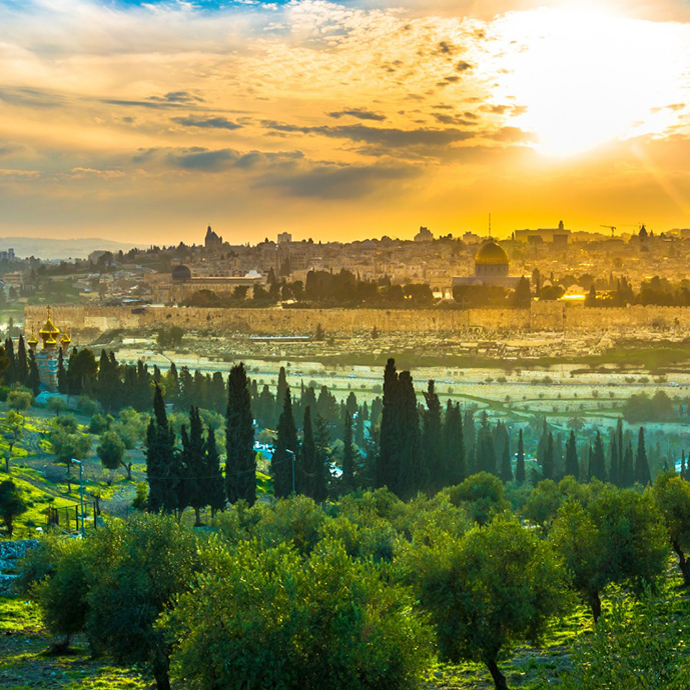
(147, 121)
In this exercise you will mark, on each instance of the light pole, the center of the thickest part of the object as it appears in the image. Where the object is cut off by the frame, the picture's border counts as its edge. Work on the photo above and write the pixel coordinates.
(292, 452)
(81, 492)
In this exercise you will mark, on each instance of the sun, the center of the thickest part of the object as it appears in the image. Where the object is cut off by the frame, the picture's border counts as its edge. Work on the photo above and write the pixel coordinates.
(586, 77)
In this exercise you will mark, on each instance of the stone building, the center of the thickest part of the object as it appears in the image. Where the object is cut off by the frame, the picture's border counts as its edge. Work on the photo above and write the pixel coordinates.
(491, 268)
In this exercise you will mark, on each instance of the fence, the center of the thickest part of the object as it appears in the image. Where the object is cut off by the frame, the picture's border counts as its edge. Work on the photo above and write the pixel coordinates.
(67, 516)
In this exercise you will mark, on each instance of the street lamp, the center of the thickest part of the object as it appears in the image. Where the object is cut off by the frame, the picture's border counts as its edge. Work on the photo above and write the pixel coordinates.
(81, 492)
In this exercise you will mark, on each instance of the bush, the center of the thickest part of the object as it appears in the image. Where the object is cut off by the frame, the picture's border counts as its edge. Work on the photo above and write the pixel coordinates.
(331, 623)
(87, 405)
(19, 399)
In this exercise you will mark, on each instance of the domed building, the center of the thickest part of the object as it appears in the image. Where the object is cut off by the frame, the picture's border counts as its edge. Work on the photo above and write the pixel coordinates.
(181, 273)
(491, 267)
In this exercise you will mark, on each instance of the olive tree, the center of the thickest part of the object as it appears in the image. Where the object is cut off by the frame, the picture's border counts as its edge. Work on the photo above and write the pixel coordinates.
(672, 495)
(618, 537)
(268, 618)
(12, 504)
(111, 451)
(496, 586)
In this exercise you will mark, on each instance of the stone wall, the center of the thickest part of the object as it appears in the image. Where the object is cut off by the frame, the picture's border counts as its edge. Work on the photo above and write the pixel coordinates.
(88, 322)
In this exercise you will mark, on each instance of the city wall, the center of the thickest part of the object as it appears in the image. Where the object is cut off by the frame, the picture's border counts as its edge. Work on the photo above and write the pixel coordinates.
(89, 321)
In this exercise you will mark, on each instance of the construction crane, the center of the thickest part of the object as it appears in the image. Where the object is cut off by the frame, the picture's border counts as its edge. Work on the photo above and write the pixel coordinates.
(612, 228)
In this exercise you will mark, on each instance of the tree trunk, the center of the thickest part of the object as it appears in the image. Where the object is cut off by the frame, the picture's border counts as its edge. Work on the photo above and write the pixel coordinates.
(499, 678)
(683, 564)
(7, 463)
(129, 472)
(595, 605)
(197, 516)
(161, 670)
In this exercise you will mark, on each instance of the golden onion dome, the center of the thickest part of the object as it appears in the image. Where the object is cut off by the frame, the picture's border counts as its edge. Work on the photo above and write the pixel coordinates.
(491, 254)
(33, 340)
(65, 340)
(49, 328)
(50, 341)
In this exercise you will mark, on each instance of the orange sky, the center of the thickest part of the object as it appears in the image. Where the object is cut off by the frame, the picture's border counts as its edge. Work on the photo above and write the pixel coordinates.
(341, 121)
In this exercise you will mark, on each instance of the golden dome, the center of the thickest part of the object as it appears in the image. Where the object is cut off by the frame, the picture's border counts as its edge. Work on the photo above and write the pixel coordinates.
(65, 340)
(49, 341)
(491, 254)
(33, 340)
(49, 328)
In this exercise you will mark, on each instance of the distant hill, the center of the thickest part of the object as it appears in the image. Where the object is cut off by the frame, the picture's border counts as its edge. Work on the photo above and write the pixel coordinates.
(77, 248)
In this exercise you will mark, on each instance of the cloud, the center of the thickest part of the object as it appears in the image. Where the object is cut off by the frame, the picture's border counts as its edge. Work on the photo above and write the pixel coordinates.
(332, 182)
(31, 98)
(206, 122)
(178, 97)
(360, 113)
(382, 136)
(209, 160)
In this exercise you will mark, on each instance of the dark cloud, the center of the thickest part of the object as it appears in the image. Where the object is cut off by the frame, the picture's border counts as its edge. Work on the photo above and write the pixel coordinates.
(206, 122)
(331, 182)
(206, 160)
(445, 48)
(30, 98)
(155, 105)
(381, 136)
(451, 119)
(463, 66)
(178, 97)
(360, 113)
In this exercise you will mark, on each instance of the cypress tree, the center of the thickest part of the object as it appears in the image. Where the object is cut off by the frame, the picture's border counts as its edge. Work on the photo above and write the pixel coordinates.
(308, 481)
(642, 474)
(413, 474)
(22, 363)
(389, 445)
(520, 464)
(431, 440)
(348, 454)
(214, 489)
(455, 469)
(547, 468)
(172, 385)
(61, 374)
(469, 433)
(162, 463)
(283, 464)
(506, 465)
(323, 452)
(614, 472)
(10, 373)
(597, 461)
(193, 484)
(572, 464)
(628, 468)
(240, 466)
(485, 454)
(280, 394)
(34, 380)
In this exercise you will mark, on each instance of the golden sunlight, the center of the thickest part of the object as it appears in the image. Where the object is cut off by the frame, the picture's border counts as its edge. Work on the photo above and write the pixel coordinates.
(587, 77)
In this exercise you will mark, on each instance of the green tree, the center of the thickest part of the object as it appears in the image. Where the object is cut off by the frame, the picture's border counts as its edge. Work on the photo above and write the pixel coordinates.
(136, 570)
(432, 440)
(543, 504)
(348, 454)
(162, 463)
(33, 380)
(618, 537)
(111, 450)
(572, 463)
(672, 495)
(12, 429)
(482, 494)
(520, 463)
(19, 400)
(332, 623)
(240, 464)
(638, 646)
(12, 504)
(284, 461)
(496, 586)
(455, 462)
(642, 474)
(68, 444)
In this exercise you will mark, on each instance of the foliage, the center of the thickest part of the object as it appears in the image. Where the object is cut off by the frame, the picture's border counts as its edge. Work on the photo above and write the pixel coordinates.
(672, 496)
(496, 586)
(19, 400)
(482, 494)
(638, 646)
(12, 504)
(332, 623)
